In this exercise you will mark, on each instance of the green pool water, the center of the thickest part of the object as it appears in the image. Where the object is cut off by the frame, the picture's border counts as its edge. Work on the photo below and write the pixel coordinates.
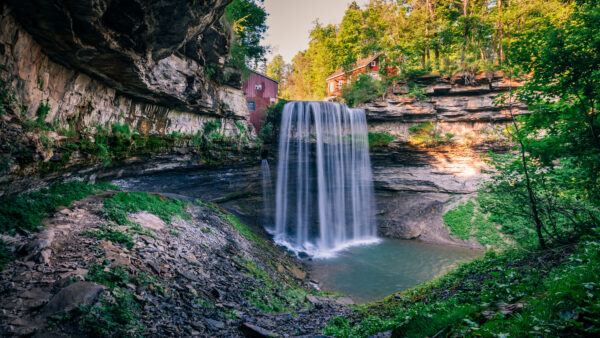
(371, 272)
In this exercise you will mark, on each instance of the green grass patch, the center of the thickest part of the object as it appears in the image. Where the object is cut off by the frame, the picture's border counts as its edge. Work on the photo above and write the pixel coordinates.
(117, 207)
(234, 222)
(115, 315)
(465, 222)
(379, 140)
(23, 213)
(113, 235)
(273, 296)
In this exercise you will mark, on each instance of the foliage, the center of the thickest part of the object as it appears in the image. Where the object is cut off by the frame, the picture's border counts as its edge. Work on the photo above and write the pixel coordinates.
(115, 315)
(248, 21)
(362, 89)
(380, 140)
(418, 37)
(466, 221)
(276, 68)
(117, 207)
(506, 294)
(564, 214)
(272, 121)
(23, 213)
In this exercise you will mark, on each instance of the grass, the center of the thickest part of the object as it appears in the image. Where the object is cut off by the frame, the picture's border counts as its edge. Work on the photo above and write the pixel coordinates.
(23, 213)
(234, 222)
(379, 140)
(514, 293)
(113, 235)
(273, 296)
(466, 222)
(117, 207)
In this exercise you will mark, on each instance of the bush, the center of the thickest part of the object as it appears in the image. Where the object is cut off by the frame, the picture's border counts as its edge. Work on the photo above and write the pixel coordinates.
(378, 140)
(364, 88)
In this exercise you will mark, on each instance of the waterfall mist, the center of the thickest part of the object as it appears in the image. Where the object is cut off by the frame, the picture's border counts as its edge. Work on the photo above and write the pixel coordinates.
(324, 193)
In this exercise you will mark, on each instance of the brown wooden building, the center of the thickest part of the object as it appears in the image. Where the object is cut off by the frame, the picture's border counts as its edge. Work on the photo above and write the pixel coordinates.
(261, 91)
(337, 80)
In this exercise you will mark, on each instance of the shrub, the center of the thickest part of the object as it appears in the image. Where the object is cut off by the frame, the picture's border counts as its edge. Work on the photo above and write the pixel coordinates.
(364, 88)
(378, 140)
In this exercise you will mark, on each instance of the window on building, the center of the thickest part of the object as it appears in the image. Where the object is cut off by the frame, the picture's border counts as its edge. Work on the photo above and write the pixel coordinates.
(258, 87)
(340, 84)
(272, 100)
(251, 105)
(331, 87)
(373, 63)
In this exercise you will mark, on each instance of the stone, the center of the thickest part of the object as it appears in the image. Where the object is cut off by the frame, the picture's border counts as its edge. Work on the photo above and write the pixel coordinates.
(253, 331)
(148, 220)
(72, 296)
(344, 301)
(299, 274)
(214, 324)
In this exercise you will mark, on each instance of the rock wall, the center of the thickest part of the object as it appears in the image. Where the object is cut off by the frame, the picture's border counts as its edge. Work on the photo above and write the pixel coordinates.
(95, 63)
(417, 181)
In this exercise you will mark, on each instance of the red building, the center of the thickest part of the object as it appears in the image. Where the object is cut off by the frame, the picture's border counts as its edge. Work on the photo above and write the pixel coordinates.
(337, 80)
(261, 91)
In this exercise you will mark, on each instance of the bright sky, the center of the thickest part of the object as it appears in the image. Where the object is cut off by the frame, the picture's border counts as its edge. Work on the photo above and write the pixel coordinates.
(290, 21)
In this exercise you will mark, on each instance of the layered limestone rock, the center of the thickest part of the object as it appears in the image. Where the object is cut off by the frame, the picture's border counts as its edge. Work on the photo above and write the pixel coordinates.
(97, 63)
(437, 155)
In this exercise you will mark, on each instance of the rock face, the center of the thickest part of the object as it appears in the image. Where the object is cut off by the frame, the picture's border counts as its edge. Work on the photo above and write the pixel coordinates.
(95, 63)
(417, 178)
(150, 50)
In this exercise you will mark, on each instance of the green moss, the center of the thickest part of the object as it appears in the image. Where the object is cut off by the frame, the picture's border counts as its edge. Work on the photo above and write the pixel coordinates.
(234, 222)
(6, 255)
(23, 213)
(118, 206)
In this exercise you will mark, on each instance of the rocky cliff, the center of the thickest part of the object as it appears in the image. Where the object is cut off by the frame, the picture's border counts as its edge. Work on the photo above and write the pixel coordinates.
(440, 135)
(151, 74)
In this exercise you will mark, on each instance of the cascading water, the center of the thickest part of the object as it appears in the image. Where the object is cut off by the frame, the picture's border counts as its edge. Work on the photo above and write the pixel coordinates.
(324, 193)
(267, 186)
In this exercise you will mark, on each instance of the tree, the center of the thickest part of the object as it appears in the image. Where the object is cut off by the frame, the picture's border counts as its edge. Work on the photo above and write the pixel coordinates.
(276, 68)
(248, 21)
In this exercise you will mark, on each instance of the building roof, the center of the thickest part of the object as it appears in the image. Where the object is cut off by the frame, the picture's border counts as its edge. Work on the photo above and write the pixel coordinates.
(263, 75)
(357, 65)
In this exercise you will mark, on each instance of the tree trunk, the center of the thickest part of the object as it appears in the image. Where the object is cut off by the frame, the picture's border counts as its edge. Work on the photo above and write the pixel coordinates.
(532, 200)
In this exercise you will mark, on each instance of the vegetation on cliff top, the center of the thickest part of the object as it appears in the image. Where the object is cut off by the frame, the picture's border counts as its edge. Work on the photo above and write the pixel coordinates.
(417, 37)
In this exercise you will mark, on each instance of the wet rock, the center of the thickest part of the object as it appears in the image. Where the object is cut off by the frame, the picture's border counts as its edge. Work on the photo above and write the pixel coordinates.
(253, 331)
(344, 301)
(72, 296)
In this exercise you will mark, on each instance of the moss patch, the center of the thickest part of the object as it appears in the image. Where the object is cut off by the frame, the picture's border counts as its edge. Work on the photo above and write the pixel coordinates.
(23, 213)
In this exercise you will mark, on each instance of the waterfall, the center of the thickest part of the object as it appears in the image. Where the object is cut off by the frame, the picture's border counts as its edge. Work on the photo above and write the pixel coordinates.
(324, 193)
(267, 187)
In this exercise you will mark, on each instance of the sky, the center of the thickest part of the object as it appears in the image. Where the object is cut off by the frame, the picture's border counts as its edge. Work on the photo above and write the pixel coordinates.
(290, 21)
